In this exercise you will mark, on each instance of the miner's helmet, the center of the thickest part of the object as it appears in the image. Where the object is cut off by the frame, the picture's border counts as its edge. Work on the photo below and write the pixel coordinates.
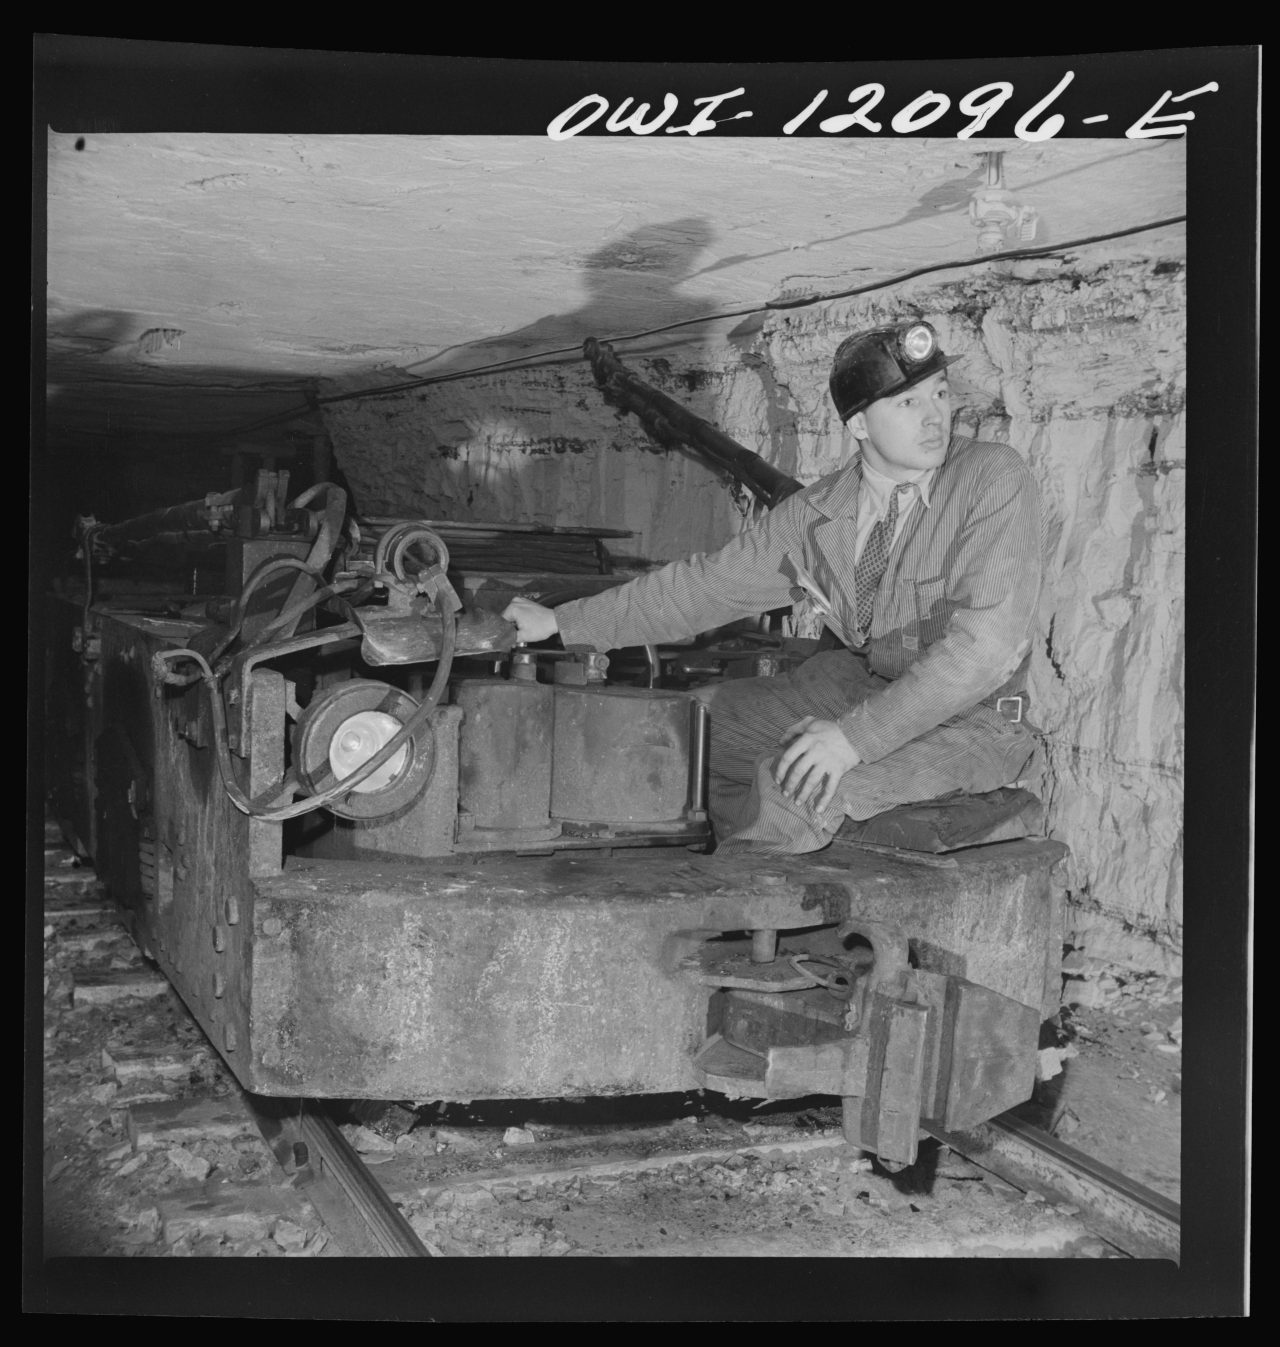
(872, 365)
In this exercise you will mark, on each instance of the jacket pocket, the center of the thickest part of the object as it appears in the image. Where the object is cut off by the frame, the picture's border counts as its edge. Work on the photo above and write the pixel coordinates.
(930, 609)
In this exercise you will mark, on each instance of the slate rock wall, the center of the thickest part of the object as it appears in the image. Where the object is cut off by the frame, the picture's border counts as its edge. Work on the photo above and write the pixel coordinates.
(538, 446)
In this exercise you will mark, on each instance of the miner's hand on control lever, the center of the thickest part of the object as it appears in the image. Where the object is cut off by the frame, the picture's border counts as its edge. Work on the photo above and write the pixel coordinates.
(533, 621)
(815, 757)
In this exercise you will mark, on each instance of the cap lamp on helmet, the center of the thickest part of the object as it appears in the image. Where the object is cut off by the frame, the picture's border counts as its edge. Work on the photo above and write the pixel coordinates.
(873, 365)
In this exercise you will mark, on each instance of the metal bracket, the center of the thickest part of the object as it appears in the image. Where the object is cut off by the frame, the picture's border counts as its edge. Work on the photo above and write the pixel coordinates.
(890, 1113)
(236, 685)
(891, 950)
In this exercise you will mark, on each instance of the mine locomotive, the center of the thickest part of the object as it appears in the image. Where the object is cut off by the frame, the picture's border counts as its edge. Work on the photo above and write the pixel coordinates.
(384, 853)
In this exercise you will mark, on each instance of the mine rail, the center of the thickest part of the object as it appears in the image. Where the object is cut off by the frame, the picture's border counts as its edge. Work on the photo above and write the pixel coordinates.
(310, 1146)
(1133, 1217)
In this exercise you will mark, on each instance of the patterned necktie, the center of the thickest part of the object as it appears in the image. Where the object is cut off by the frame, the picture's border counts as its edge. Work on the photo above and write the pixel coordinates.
(871, 565)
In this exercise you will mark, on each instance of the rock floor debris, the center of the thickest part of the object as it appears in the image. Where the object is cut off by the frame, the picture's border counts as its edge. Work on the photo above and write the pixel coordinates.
(124, 1174)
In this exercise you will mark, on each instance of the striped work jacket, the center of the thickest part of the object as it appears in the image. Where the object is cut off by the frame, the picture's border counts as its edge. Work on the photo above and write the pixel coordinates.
(954, 615)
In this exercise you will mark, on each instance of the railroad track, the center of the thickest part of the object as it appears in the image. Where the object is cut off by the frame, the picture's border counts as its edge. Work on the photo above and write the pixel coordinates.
(180, 1161)
(1133, 1219)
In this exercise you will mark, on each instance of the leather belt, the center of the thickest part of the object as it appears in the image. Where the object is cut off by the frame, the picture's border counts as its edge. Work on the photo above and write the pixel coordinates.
(1012, 706)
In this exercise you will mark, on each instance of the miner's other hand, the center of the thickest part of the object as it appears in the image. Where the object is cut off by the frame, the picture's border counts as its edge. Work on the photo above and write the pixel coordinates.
(815, 756)
(533, 621)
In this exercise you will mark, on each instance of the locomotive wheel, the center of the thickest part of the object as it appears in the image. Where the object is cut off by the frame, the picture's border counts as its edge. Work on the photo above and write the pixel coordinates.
(343, 728)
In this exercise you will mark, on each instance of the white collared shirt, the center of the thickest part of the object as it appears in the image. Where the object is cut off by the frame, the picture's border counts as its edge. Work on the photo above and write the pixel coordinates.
(873, 501)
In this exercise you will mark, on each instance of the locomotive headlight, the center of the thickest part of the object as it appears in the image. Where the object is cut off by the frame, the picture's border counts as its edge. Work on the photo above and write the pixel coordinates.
(357, 739)
(918, 342)
(342, 728)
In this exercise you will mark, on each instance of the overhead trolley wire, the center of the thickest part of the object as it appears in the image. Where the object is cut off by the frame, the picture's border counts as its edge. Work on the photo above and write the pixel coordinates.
(770, 306)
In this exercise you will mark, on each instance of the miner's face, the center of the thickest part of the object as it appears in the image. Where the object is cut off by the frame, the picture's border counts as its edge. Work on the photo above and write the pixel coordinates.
(907, 431)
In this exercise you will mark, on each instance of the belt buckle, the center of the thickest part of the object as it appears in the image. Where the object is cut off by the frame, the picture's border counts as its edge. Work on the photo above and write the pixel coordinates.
(1017, 697)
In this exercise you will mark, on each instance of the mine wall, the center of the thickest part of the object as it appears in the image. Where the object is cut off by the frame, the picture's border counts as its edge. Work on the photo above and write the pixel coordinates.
(1078, 361)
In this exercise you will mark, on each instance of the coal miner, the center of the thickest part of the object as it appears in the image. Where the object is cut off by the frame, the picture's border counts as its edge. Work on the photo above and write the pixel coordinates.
(922, 553)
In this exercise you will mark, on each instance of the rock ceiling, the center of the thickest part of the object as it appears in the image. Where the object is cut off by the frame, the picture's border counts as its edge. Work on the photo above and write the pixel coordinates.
(198, 283)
